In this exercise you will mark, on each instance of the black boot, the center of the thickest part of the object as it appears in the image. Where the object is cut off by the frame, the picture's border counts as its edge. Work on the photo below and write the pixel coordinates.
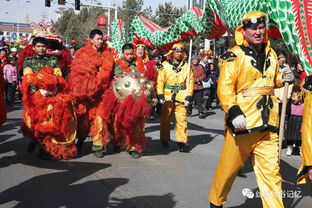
(241, 174)
(134, 154)
(116, 148)
(31, 147)
(214, 206)
(43, 154)
(201, 115)
(164, 144)
(183, 147)
(79, 143)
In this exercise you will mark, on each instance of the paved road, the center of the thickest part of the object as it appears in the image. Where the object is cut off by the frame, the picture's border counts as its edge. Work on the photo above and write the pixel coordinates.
(162, 178)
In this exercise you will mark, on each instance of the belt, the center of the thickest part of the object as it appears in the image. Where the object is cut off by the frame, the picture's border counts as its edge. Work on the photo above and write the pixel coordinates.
(175, 87)
(258, 91)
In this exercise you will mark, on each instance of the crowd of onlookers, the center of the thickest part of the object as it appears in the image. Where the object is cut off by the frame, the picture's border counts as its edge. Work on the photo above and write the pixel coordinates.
(295, 104)
(8, 60)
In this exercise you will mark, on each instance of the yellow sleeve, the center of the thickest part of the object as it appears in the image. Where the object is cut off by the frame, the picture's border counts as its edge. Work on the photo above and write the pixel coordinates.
(26, 67)
(27, 70)
(227, 82)
(57, 71)
(160, 81)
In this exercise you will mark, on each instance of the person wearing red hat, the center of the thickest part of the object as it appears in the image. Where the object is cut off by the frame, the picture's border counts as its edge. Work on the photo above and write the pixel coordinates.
(175, 96)
(248, 75)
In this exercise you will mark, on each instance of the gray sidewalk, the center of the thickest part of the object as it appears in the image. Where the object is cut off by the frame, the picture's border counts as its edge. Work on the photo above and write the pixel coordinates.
(162, 178)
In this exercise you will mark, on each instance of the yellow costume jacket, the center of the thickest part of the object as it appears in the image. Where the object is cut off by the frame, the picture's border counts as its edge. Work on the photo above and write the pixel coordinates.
(306, 147)
(246, 86)
(171, 81)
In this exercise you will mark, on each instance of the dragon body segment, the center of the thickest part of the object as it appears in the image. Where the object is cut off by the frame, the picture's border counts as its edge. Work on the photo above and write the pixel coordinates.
(288, 19)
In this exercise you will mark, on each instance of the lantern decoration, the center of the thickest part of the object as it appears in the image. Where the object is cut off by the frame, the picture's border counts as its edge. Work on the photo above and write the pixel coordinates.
(102, 22)
(73, 42)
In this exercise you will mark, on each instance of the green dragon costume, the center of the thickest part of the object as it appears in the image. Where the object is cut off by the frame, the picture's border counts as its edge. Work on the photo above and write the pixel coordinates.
(289, 19)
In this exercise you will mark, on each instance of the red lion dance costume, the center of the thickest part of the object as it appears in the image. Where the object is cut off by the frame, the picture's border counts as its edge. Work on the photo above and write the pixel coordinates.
(126, 106)
(51, 120)
(90, 75)
(2, 103)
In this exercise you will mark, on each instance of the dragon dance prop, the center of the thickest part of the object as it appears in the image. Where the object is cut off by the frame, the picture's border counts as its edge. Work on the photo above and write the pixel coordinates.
(288, 19)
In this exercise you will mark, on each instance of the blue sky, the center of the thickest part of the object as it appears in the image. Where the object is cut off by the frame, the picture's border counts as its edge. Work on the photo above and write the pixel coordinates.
(17, 10)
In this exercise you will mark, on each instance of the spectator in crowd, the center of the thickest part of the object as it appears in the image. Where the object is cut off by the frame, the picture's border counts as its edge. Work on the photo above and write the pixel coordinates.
(3, 57)
(210, 93)
(299, 72)
(279, 92)
(13, 53)
(198, 73)
(294, 114)
(72, 51)
(10, 79)
(204, 60)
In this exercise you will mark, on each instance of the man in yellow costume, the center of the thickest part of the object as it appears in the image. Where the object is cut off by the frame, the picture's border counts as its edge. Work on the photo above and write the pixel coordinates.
(305, 171)
(175, 88)
(248, 76)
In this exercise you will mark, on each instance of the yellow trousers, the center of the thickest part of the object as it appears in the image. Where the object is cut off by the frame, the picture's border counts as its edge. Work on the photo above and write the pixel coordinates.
(181, 123)
(262, 146)
(97, 137)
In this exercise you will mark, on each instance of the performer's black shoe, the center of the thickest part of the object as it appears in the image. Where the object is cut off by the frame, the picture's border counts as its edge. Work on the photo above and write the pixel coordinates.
(99, 153)
(201, 115)
(183, 147)
(241, 174)
(31, 147)
(214, 206)
(116, 148)
(164, 144)
(134, 154)
(79, 144)
(43, 154)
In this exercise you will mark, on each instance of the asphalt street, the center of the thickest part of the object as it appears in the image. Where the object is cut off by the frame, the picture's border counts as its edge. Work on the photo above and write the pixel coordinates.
(161, 178)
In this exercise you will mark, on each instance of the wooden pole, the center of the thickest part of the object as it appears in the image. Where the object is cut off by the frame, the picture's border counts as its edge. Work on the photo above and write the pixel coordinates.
(282, 122)
(189, 64)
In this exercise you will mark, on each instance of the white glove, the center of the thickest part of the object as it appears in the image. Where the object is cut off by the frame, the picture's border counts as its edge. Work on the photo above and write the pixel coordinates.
(161, 101)
(186, 103)
(46, 93)
(239, 122)
(288, 75)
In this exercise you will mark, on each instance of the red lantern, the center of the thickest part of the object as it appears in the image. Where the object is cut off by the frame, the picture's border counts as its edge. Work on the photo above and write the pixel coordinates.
(73, 42)
(101, 22)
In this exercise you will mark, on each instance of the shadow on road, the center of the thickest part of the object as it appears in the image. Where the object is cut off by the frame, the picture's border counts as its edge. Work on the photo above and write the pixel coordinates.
(69, 189)
(292, 193)
(163, 201)
(58, 189)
